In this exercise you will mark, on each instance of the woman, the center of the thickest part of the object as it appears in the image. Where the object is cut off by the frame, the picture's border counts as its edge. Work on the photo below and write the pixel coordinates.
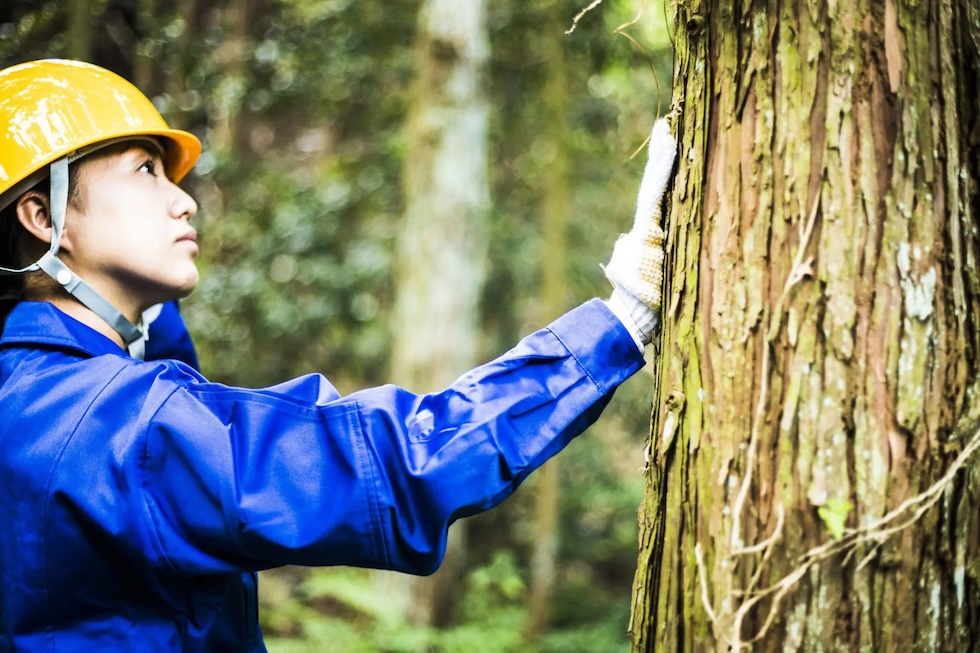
(139, 499)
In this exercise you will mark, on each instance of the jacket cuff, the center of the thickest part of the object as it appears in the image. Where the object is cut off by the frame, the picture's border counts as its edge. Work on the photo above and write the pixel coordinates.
(600, 343)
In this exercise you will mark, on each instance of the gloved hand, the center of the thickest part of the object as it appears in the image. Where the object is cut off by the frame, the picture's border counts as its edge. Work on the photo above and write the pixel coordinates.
(636, 268)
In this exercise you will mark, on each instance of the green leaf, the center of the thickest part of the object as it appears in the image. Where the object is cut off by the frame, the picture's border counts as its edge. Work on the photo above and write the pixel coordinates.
(834, 515)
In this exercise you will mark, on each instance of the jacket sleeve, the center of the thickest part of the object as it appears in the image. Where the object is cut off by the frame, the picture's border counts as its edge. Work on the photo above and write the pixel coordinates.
(242, 479)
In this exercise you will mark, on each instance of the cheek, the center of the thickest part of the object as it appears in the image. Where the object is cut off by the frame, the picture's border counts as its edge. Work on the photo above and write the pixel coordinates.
(99, 235)
(80, 233)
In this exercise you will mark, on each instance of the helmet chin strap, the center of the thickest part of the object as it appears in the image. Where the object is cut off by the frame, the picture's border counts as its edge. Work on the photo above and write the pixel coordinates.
(134, 335)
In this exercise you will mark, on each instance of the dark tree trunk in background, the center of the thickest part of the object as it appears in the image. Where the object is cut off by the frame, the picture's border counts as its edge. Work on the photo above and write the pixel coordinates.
(80, 29)
(229, 129)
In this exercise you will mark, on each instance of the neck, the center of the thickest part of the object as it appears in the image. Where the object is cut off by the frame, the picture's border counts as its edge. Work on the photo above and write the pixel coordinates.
(41, 287)
(75, 309)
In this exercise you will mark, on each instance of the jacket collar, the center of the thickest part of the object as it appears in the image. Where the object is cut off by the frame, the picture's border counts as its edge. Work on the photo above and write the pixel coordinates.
(41, 324)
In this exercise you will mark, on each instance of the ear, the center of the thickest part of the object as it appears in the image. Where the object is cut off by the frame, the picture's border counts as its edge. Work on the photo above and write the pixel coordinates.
(34, 214)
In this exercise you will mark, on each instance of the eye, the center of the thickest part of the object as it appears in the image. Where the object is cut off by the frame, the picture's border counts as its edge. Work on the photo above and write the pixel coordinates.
(149, 166)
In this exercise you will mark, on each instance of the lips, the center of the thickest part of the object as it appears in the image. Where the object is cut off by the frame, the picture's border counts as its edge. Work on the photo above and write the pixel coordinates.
(190, 238)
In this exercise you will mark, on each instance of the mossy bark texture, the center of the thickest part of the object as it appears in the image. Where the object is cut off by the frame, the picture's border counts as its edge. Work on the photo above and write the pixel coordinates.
(821, 345)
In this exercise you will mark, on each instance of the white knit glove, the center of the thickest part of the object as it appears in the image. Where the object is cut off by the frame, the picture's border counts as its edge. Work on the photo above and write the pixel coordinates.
(636, 268)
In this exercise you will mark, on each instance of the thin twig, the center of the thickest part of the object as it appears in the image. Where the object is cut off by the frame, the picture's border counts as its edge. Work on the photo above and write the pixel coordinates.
(640, 149)
(767, 546)
(932, 494)
(578, 17)
(705, 599)
(743, 490)
(797, 273)
(653, 68)
(755, 548)
(868, 558)
(783, 587)
(621, 31)
(635, 20)
(873, 532)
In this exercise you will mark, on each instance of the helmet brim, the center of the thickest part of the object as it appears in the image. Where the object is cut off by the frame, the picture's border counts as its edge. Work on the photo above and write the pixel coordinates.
(184, 153)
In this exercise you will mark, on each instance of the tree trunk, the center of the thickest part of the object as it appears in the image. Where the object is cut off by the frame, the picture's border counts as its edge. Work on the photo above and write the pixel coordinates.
(820, 346)
(143, 62)
(442, 245)
(555, 210)
(79, 35)
(227, 131)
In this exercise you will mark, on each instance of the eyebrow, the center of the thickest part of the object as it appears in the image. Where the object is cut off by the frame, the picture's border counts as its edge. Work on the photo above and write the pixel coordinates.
(148, 147)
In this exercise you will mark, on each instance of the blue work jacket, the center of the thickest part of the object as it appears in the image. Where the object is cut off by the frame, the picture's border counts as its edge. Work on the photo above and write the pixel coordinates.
(169, 338)
(138, 499)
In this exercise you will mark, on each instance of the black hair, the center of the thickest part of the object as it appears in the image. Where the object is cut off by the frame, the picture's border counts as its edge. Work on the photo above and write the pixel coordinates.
(14, 238)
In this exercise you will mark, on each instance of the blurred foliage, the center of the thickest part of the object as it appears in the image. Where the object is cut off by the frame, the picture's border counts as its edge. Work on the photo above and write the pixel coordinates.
(300, 105)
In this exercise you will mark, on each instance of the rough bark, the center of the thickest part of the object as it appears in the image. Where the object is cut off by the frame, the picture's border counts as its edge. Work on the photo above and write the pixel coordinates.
(442, 244)
(820, 344)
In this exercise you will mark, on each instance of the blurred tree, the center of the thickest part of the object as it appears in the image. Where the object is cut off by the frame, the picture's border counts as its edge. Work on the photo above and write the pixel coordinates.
(299, 213)
(820, 351)
(442, 245)
(555, 214)
(80, 15)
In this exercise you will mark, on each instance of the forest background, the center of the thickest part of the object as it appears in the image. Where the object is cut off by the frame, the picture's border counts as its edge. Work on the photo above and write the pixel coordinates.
(302, 106)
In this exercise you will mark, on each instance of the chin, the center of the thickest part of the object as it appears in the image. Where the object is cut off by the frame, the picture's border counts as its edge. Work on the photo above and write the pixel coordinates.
(175, 290)
(187, 285)
(186, 289)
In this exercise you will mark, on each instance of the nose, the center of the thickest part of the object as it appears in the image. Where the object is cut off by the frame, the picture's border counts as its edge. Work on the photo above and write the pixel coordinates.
(182, 206)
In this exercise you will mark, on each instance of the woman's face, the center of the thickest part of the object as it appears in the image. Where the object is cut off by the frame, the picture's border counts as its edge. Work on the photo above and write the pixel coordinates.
(127, 230)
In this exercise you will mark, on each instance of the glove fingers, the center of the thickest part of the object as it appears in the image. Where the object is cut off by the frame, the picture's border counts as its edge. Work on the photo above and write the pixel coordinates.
(637, 266)
(663, 151)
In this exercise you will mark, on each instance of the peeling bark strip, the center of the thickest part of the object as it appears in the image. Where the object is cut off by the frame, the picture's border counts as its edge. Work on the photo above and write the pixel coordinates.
(823, 330)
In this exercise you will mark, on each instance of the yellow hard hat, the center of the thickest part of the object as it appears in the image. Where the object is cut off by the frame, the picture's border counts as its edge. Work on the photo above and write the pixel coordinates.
(54, 107)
